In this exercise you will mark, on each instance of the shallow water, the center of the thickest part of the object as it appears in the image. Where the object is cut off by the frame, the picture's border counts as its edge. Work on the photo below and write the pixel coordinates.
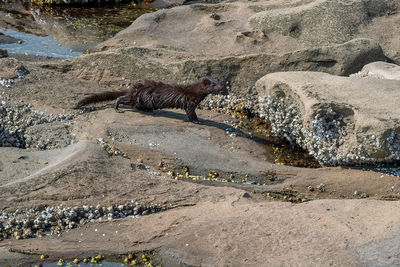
(63, 32)
(37, 45)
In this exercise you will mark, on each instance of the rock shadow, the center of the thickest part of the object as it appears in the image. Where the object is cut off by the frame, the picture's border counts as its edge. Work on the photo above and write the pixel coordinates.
(210, 123)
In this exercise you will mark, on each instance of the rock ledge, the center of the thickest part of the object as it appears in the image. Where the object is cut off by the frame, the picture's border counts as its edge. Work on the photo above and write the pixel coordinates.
(340, 120)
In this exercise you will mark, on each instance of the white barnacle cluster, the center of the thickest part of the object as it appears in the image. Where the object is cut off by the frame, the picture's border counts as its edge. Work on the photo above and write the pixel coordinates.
(21, 73)
(393, 145)
(323, 139)
(231, 101)
(284, 117)
(33, 222)
(326, 136)
(6, 82)
(17, 122)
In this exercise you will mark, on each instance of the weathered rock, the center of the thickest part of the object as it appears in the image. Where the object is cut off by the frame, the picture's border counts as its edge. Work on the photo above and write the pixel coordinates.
(240, 71)
(48, 136)
(245, 27)
(339, 120)
(384, 30)
(240, 41)
(11, 68)
(381, 70)
(22, 127)
(322, 22)
(74, 2)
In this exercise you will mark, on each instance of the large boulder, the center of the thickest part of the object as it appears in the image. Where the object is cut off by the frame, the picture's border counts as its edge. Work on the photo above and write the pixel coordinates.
(385, 30)
(241, 41)
(240, 71)
(247, 27)
(322, 22)
(339, 120)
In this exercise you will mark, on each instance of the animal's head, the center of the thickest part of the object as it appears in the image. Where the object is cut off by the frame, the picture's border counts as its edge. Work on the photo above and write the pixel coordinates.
(212, 85)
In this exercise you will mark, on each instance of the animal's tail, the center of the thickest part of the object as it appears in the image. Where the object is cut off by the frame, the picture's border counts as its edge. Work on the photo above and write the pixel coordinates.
(104, 96)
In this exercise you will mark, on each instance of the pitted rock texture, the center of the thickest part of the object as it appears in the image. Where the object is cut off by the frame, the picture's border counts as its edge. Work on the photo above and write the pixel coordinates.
(247, 27)
(339, 120)
(322, 22)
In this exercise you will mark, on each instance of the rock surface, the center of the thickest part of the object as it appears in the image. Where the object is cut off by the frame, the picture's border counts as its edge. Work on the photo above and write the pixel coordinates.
(240, 72)
(11, 68)
(340, 120)
(90, 173)
(243, 27)
(381, 70)
(321, 22)
(343, 232)
(241, 41)
(225, 200)
(385, 31)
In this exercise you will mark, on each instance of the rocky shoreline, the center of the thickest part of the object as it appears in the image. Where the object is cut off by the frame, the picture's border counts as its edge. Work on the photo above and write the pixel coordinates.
(322, 75)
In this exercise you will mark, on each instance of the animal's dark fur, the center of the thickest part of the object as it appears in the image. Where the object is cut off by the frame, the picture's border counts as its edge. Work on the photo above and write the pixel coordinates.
(151, 95)
(104, 96)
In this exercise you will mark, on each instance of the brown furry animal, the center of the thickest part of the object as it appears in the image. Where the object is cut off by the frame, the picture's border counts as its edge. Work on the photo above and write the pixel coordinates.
(151, 95)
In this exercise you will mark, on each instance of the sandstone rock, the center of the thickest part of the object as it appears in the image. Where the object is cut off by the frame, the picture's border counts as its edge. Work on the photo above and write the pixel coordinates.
(241, 41)
(384, 30)
(381, 70)
(11, 68)
(240, 71)
(340, 120)
(322, 22)
(247, 27)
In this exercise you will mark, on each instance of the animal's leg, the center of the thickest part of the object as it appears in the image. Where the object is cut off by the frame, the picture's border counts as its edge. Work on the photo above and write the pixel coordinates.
(124, 100)
(191, 113)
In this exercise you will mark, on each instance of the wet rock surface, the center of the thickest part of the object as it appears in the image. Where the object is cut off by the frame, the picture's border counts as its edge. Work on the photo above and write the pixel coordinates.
(5, 39)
